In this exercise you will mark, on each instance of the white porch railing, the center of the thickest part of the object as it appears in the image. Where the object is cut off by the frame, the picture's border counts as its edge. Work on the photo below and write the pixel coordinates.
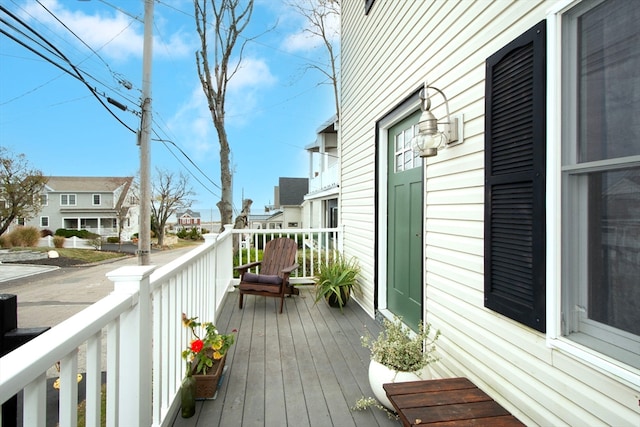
(326, 179)
(139, 326)
(315, 246)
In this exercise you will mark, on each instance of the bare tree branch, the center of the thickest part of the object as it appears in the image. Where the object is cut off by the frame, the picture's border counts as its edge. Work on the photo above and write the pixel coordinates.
(169, 193)
(319, 14)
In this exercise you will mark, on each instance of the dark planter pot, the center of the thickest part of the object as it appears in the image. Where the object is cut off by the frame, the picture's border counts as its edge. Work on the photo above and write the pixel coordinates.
(333, 301)
(207, 384)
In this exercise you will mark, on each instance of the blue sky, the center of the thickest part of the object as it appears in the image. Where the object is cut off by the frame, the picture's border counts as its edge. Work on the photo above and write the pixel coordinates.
(274, 104)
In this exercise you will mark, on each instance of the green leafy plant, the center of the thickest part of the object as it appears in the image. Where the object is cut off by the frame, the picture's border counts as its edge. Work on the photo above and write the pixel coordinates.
(400, 349)
(365, 403)
(335, 279)
(82, 234)
(208, 344)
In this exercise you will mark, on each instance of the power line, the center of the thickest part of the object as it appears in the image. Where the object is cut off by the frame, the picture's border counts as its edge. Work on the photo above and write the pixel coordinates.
(164, 142)
(54, 51)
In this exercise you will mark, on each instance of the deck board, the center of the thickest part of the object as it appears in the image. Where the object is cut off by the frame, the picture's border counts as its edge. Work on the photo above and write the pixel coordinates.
(304, 367)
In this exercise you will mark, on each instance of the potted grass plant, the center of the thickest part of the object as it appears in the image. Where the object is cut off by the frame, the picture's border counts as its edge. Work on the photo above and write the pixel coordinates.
(335, 279)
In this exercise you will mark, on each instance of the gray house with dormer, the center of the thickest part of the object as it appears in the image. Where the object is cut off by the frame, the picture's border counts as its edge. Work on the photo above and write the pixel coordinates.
(100, 205)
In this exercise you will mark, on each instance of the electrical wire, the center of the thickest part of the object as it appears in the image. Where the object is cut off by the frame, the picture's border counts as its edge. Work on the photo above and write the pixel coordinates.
(119, 78)
(164, 142)
(56, 53)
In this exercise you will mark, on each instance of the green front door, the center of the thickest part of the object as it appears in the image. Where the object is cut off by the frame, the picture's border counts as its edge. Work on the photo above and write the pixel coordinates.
(404, 239)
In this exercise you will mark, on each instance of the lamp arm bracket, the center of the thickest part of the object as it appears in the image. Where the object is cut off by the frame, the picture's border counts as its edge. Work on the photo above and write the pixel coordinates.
(446, 101)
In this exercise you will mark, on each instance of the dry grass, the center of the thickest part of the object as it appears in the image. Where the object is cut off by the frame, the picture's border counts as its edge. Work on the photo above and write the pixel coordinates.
(85, 255)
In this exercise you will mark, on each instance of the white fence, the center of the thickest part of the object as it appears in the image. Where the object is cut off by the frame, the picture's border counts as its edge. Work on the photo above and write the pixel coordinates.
(139, 324)
(70, 242)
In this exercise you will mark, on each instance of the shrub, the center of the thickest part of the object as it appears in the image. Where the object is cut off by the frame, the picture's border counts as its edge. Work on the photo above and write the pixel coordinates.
(194, 234)
(46, 233)
(5, 242)
(96, 243)
(113, 240)
(25, 237)
(58, 241)
(252, 257)
(82, 234)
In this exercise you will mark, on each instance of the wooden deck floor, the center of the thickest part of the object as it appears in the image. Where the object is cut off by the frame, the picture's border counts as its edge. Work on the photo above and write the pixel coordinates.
(304, 367)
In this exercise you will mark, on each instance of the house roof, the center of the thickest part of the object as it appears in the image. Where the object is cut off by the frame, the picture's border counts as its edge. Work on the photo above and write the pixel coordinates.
(259, 217)
(292, 190)
(189, 213)
(87, 183)
(327, 127)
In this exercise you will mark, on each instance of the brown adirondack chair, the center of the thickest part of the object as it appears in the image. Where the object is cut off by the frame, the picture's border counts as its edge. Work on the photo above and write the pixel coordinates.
(278, 261)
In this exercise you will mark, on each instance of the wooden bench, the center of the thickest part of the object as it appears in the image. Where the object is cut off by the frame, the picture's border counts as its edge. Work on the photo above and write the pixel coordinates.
(446, 402)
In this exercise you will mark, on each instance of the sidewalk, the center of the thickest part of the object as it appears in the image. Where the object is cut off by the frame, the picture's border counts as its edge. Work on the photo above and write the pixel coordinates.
(18, 271)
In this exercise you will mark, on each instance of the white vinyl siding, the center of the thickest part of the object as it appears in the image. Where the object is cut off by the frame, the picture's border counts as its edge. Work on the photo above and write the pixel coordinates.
(386, 56)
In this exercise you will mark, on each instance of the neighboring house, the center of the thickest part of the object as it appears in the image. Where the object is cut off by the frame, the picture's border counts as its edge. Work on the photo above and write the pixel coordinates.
(522, 243)
(96, 204)
(320, 207)
(188, 220)
(286, 212)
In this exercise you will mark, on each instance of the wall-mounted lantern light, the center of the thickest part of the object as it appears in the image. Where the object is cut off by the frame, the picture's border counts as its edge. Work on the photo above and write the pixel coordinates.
(429, 138)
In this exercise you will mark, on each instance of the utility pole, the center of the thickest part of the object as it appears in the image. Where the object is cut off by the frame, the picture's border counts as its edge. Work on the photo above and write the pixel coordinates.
(144, 242)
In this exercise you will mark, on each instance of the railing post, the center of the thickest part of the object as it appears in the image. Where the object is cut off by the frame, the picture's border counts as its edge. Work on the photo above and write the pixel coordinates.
(134, 392)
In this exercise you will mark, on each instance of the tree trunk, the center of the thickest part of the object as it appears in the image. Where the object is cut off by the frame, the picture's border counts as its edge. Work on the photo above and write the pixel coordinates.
(225, 204)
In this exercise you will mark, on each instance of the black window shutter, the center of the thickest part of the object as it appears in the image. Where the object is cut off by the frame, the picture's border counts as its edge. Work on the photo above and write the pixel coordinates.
(515, 150)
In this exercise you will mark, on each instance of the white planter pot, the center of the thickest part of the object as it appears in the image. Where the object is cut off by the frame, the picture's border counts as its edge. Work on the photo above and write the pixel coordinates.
(379, 374)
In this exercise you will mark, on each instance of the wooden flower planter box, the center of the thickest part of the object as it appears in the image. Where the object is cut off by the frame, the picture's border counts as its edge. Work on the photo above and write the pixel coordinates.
(207, 384)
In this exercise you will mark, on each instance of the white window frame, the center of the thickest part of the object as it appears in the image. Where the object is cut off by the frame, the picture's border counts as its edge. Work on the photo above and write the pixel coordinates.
(554, 337)
(44, 200)
(68, 197)
(93, 199)
(42, 224)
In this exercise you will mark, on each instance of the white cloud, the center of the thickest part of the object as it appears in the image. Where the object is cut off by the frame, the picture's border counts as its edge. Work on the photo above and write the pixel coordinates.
(303, 41)
(245, 90)
(192, 123)
(113, 34)
(252, 73)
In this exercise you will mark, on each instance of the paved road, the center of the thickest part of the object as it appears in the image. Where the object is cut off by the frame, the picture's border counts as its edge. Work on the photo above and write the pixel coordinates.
(52, 296)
